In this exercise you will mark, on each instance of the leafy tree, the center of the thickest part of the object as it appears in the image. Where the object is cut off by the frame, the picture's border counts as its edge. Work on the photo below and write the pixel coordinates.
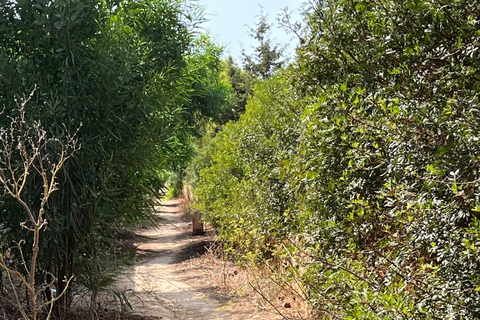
(209, 94)
(388, 145)
(370, 182)
(241, 83)
(261, 65)
(207, 98)
(240, 187)
(267, 56)
(117, 69)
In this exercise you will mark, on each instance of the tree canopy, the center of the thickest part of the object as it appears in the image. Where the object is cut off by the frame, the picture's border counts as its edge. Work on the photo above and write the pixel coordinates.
(354, 169)
(357, 165)
(130, 76)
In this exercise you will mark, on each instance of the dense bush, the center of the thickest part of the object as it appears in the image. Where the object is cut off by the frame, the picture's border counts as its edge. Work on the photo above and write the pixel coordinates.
(239, 170)
(121, 71)
(359, 164)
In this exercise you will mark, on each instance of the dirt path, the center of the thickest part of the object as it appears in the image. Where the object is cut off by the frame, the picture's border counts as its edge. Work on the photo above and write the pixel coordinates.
(161, 284)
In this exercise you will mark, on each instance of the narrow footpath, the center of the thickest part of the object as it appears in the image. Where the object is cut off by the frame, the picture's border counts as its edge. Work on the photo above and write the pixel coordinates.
(160, 285)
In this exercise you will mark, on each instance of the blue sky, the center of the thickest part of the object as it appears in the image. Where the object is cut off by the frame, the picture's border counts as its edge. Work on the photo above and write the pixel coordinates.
(229, 20)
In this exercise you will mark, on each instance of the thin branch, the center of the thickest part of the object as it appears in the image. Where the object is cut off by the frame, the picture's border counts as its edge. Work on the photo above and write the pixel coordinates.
(268, 301)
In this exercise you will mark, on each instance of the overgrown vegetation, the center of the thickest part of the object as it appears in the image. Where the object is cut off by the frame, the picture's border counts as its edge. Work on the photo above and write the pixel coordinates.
(352, 172)
(25, 150)
(355, 169)
(132, 77)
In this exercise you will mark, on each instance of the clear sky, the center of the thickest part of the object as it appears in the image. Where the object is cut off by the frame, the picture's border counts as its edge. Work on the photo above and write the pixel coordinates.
(229, 20)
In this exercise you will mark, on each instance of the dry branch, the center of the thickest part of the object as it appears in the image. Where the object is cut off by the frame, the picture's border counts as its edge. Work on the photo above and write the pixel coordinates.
(25, 149)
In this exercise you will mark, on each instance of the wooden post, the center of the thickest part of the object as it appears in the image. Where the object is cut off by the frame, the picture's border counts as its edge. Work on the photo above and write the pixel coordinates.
(197, 225)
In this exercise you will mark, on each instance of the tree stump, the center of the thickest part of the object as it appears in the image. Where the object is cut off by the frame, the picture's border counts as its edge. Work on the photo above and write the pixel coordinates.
(197, 225)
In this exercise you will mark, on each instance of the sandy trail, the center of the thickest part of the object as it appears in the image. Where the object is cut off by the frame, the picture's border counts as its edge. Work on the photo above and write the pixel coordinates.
(155, 286)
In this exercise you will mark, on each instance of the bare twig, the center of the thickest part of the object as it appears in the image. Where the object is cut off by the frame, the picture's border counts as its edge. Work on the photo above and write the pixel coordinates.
(24, 152)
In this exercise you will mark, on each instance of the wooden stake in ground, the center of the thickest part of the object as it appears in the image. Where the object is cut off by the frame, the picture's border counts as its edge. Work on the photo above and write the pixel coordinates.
(197, 224)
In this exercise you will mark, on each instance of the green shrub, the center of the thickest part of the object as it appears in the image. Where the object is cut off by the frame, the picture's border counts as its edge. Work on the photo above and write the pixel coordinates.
(117, 70)
(362, 160)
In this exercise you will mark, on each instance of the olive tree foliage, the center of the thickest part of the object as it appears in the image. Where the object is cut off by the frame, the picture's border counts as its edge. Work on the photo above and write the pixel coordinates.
(369, 184)
(117, 68)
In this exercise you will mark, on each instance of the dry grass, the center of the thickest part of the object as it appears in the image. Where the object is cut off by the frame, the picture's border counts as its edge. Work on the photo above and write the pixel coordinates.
(246, 287)
(260, 288)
